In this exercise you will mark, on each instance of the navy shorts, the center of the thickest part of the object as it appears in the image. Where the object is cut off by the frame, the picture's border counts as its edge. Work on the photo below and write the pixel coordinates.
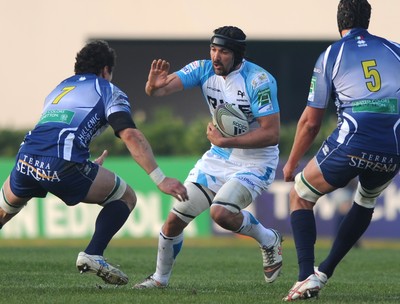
(340, 163)
(35, 176)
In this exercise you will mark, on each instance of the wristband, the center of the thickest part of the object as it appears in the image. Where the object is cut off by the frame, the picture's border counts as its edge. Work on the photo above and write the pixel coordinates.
(157, 176)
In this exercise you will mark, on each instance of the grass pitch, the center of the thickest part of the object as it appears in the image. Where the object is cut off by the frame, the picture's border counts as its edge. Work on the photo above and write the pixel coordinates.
(220, 270)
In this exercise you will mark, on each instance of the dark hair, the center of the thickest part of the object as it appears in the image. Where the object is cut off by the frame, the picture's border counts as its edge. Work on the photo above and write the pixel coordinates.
(353, 13)
(232, 38)
(93, 57)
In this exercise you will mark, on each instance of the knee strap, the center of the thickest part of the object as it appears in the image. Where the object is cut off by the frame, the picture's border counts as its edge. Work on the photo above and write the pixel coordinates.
(6, 206)
(117, 192)
(305, 190)
(367, 197)
(200, 199)
(233, 196)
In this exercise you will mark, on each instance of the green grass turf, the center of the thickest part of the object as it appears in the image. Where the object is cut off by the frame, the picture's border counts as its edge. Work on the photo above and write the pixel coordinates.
(219, 270)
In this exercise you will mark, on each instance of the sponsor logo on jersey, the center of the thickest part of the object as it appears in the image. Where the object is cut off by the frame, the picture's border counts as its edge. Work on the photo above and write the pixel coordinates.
(213, 89)
(246, 180)
(89, 130)
(63, 116)
(39, 170)
(325, 150)
(190, 67)
(264, 101)
(385, 106)
(360, 41)
(260, 79)
(374, 162)
(311, 93)
(120, 98)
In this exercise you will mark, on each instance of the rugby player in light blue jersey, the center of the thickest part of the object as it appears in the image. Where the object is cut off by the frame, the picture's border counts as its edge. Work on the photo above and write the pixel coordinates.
(235, 170)
(360, 73)
(54, 156)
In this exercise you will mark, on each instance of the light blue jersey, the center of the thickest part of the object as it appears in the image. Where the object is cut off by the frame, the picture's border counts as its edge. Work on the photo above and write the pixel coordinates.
(74, 113)
(251, 88)
(361, 73)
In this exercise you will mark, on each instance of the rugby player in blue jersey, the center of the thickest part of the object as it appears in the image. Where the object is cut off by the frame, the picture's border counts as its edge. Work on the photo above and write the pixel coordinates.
(54, 156)
(234, 172)
(360, 73)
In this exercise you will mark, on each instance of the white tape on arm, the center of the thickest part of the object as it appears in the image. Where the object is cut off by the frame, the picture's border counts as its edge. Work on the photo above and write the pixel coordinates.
(157, 176)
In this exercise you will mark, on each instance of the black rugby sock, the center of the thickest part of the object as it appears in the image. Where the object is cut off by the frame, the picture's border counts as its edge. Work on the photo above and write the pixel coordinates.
(352, 228)
(305, 234)
(110, 219)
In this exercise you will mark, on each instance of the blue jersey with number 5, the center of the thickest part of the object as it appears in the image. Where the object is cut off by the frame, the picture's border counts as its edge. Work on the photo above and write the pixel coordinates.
(361, 73)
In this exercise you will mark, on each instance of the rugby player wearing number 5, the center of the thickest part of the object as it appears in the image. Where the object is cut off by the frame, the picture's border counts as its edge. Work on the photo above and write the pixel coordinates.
(236, 169)
(360, 73)
(54, 156)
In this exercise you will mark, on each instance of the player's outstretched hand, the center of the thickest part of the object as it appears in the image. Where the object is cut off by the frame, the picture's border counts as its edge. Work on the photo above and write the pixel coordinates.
(100, 160)
(175, 188)
(158, 73)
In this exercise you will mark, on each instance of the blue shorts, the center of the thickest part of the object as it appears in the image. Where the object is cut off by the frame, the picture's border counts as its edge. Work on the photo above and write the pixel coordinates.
(35, 176)
(340, 163)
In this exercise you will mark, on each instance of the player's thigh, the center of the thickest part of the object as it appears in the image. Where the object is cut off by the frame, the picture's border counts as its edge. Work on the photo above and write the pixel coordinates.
(313, 176)
(9, 197)
(105, 185)
(334, 162)
(234, 196)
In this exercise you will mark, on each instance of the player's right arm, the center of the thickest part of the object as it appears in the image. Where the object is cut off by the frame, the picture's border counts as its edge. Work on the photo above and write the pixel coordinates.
(307, 129)
(160, 82)
(142, 153)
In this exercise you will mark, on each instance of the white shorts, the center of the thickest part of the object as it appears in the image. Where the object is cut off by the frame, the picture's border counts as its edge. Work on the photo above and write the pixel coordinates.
(213, 171)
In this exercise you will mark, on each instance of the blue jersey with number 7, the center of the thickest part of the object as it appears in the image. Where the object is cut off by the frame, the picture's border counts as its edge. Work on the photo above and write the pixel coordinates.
(74, 113)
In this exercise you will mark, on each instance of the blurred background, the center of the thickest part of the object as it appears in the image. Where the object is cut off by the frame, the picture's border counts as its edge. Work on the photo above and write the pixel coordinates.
(41, 38)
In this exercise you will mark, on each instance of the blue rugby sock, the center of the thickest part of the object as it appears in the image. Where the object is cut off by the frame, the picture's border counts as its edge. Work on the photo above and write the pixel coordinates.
(110, 219)
(352, 228)
(305, 234)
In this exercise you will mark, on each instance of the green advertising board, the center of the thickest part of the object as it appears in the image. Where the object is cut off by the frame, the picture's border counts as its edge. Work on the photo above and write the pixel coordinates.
(51, 218)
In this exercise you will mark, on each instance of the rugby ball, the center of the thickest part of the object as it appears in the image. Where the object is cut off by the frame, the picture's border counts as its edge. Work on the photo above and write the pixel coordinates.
(230, 121)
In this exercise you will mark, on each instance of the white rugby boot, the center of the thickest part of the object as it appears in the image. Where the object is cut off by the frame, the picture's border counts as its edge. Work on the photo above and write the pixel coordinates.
(97, 264)
(302, 290)
(322, 277)
(149, 282)
(272, 258)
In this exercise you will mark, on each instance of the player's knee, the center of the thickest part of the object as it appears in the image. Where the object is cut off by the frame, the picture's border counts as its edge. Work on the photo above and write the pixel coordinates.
(297, 203)
(173, 226)
(221, 215)
(215, 213)
(129, 198)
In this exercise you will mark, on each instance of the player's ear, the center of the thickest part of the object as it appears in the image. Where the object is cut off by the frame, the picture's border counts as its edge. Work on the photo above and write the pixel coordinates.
(106, 73)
